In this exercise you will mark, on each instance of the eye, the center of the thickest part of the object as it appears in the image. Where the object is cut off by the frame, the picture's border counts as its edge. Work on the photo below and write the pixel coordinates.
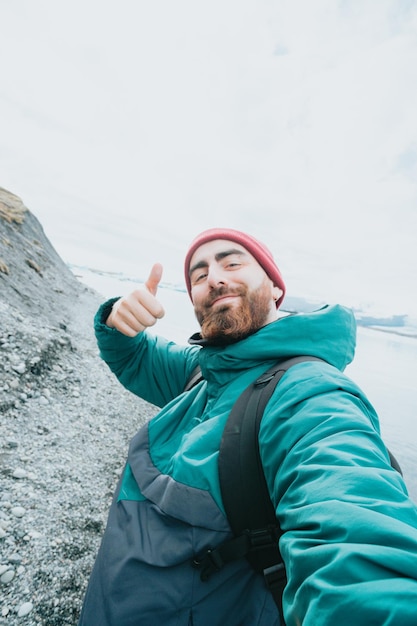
(232, 265)
(198, 277)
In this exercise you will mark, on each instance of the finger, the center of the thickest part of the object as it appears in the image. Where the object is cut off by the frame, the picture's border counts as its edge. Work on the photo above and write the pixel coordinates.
(143, 307)
(122, 320)
(138, 310)
(154, 279)
(130, 322)
(126, 329)
(143, 303)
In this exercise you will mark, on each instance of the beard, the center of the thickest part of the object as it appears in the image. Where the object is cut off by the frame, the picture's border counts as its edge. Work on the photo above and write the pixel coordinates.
(230, 323)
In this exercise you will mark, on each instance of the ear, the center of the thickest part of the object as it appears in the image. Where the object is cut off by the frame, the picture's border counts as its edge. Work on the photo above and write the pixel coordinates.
(276, 293)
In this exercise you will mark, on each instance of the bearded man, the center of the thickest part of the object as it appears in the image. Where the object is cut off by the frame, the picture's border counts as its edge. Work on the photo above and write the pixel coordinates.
(350, 531)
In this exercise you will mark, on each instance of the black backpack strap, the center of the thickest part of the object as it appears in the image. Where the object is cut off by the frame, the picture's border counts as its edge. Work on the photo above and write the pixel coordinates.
(244, 490)
(394, 462)
(194, 378)
(245, 494)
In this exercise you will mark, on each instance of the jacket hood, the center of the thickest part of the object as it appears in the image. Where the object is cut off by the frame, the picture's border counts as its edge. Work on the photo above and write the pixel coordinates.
(328, 333)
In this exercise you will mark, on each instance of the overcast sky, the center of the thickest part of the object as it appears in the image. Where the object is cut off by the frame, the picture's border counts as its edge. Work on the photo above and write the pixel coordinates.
(129, 127)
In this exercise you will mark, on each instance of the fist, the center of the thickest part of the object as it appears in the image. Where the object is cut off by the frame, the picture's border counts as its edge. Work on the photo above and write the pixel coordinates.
(133, 313)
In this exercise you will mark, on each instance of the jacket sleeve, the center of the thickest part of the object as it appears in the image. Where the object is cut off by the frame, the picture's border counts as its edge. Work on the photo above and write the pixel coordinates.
(350, 529)
(147, 365)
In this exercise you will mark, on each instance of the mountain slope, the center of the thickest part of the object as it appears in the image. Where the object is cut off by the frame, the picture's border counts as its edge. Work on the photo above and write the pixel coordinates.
(65, 424)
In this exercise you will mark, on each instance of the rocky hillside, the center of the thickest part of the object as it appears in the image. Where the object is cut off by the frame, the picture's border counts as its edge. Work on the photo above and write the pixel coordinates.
(65, 424)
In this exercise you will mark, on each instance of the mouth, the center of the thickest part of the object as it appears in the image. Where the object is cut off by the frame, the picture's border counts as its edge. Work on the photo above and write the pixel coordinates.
(224, 299)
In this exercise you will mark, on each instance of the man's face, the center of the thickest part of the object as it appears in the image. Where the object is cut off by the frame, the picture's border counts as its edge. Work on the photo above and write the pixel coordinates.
(232, 295)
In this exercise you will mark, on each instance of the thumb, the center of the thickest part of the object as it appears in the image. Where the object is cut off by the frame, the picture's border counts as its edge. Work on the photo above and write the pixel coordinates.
(154, 279)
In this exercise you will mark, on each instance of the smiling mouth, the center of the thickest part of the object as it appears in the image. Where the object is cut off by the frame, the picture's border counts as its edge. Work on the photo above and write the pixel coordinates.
(225, 299)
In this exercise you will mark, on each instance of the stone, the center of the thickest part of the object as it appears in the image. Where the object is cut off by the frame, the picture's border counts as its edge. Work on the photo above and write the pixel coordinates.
(20, 368)
(19, 472)
(18, 511)
(24, 609)
(7, 577)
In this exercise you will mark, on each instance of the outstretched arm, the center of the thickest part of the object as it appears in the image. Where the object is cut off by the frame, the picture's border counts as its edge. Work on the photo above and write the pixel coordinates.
(350, 529)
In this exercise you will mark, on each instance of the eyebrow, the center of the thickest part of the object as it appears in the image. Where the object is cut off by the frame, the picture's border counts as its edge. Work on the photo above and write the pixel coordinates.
(218, 257)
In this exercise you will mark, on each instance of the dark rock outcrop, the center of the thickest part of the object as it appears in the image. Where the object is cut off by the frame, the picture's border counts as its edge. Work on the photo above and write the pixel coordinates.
(33, 278)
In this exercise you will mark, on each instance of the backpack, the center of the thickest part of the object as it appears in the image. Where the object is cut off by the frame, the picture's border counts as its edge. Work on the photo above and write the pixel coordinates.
(245, 494)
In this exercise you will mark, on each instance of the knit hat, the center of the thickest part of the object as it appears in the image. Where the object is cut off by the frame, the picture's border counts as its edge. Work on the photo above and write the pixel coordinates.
(257, 249)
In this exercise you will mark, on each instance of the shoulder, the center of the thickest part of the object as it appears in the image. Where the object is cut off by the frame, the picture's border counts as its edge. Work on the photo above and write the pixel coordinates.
(313, 401)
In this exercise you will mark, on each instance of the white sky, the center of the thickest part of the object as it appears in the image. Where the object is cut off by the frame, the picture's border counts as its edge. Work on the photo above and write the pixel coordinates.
(129, 127)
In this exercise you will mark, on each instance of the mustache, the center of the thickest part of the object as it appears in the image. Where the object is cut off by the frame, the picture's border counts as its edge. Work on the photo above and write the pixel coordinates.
(219, 292)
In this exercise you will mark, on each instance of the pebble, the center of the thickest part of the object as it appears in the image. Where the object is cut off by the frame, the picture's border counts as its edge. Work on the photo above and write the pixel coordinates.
(19, 472)
(7, 576)
(2, 533)
(20, 368)
(25, 609)
(35, 534)
(18, 511)
(15, 558)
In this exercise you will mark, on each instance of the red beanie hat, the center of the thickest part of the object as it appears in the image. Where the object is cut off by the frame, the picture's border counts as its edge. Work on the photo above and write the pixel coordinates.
(257, 249)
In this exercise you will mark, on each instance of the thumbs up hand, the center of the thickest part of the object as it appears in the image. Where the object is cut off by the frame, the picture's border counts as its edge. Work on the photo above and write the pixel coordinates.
(133, 313)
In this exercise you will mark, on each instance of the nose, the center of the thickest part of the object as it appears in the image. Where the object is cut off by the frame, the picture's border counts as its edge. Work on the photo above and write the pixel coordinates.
(215, 276)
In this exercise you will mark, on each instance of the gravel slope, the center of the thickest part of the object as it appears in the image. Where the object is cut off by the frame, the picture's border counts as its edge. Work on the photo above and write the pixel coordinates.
(65, 425)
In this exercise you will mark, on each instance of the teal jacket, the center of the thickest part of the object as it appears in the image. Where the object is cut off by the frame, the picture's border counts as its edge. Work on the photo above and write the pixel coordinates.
(350, 529)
